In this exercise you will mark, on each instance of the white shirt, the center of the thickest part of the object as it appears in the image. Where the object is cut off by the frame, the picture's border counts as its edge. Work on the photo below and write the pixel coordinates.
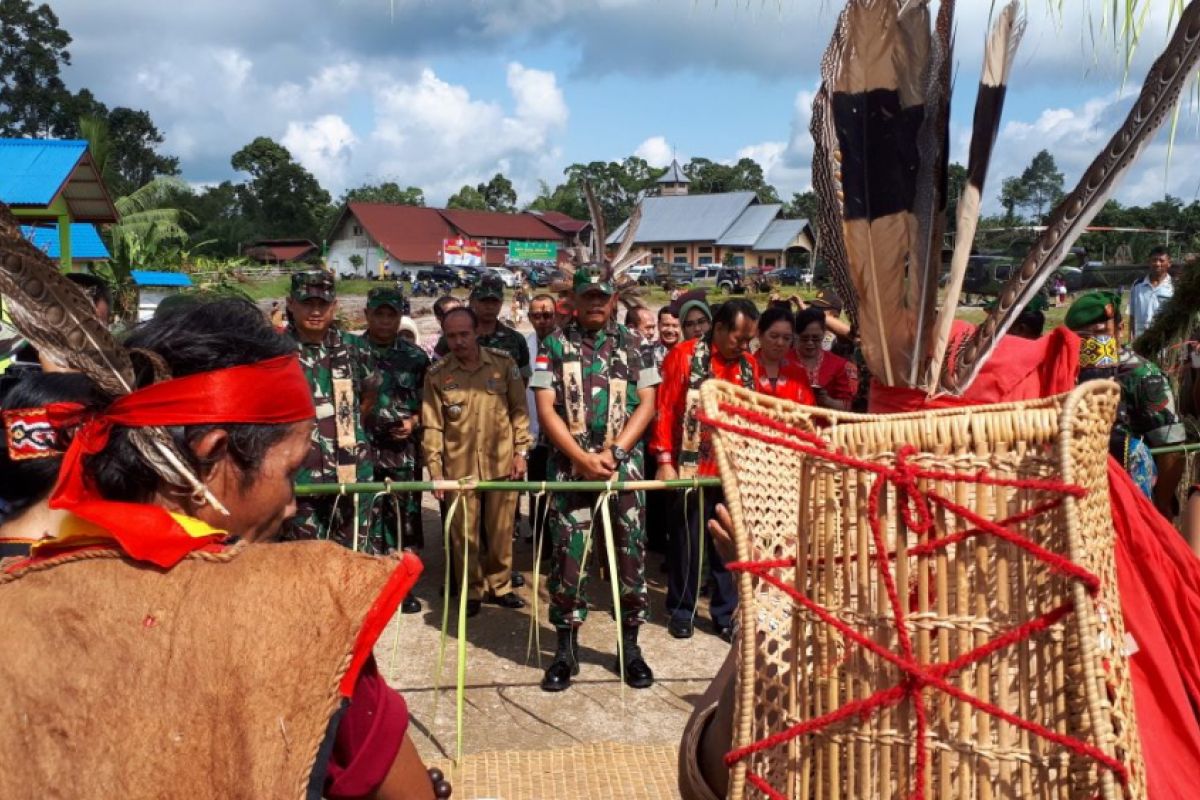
(1146, 300)
(535, 427)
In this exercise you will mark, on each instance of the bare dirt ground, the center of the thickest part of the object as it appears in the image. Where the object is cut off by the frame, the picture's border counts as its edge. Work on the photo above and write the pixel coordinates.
(505, 709)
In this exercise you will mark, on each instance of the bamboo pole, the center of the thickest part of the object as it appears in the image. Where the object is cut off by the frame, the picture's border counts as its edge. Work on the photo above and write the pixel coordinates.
(470, 485)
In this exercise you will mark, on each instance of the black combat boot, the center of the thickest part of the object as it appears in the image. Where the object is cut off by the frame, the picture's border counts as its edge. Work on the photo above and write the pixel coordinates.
(566, 661)
(637, 672)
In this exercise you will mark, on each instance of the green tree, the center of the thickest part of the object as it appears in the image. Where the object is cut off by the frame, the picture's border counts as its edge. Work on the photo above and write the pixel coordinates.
(618, 186)
(468, 198)
(282, 198)
(214, 214)
(711, 177)
(499, 194)
(388, 192)
(33, 49)
(135, 158)
(956, 183)
(803, 205)
(1038, 188)
(566, 198)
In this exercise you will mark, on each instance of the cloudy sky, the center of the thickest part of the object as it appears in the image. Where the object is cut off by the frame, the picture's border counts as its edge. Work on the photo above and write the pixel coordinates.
(438, 93)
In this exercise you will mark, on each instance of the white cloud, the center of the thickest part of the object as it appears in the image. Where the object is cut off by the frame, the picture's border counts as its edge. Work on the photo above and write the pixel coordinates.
(324, 146)
(788, 165)
(657, 152)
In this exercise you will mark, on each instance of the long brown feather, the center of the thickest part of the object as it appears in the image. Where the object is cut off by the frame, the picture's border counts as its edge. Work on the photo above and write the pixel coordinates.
(627, 242)
(998, 57)
(877, 102)
(58, 319)
(1160, 92)
(829, 246)
(933, 145)
(599, 232)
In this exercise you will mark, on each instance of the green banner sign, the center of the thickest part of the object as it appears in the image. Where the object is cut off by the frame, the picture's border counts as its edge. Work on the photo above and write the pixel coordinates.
(532, 253)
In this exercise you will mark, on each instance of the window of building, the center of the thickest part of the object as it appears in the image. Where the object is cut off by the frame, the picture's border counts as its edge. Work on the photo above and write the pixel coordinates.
(358, 230)
(768, 262)
(680, 259)
(656, 251)
(681, 251)
(705, 250)
(705, 259)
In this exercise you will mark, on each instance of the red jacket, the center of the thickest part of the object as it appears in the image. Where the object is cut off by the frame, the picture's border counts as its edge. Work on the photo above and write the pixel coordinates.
(672, 397)
(791, 384)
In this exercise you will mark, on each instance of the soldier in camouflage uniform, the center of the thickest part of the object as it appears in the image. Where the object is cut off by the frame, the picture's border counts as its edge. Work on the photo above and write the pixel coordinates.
(595, 385)
(392, 422)
(1147, 415)
(341, 385)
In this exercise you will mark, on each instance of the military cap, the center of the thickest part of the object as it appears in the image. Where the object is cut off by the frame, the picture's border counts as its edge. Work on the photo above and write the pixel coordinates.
(828, 299)
(591, 278)
(313, 283)
(1091, 308)
(490, 287)
(387, 296)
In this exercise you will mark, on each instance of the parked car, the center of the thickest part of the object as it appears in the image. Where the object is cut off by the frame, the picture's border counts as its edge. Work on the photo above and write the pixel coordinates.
(672, 274)
(727, 279)
(542, 277)
(454, 276)
(643, 274)
(985, 275)
(788, 276)
(510, 279)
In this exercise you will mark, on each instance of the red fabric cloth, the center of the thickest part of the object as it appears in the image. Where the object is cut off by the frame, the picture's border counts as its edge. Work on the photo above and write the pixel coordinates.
(791, 384)
(147, 532)
(368, 737)
(1158, 576)
(836, 375)
(672, 397)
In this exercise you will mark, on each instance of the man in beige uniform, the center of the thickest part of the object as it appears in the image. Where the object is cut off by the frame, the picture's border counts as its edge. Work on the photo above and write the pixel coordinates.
(476, 425)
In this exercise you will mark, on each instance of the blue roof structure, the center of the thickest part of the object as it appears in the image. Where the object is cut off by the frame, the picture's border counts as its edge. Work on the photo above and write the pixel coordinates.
(143, 277)
(33, 170)
(86, 244)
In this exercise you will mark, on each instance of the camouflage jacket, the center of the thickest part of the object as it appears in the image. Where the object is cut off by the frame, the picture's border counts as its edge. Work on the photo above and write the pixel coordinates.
(503, 338)
(613, 353)
(1147, 407)
(401, 368)
(324, 365)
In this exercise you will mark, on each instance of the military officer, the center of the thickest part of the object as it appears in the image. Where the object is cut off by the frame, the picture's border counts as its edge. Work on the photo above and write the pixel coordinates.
(392, 422)
(341, 386)
(476, 426)
(486, 300)
(595, 388)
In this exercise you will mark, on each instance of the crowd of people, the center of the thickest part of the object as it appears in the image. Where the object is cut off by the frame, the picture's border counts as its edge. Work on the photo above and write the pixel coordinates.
(595, 392)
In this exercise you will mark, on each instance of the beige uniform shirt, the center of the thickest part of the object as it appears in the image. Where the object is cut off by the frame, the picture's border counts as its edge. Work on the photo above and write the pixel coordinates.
(475, 420)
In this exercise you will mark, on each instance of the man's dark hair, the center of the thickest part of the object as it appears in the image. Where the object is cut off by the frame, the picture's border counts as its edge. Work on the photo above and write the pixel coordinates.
(95, 287)
(808, 316)
(1158, 250)
(728, 312)
(549, 298)
(461, 310)
(775, 314)
(209, 336)
(666, 311)
(633, 314)
(441, 304)
(28, 481)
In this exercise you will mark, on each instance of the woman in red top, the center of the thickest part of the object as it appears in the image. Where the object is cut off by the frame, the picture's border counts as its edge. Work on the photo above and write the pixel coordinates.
(781, 376)
(833, 379)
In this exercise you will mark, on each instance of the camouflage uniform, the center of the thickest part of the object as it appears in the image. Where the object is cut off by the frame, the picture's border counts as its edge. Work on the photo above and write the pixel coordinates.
(325, 365)
(503, 338)
(401, 367)
(613, 353)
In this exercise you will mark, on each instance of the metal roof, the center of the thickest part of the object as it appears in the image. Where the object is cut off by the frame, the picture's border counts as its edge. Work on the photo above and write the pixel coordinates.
(747, 228)
(86, 244)
(144, 277)
(687, 218)
(33, 172)
(781, 234)
(498, 225)
(674, 174)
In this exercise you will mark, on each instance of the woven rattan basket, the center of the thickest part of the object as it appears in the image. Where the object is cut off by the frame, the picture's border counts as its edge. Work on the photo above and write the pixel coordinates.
(1038, 631)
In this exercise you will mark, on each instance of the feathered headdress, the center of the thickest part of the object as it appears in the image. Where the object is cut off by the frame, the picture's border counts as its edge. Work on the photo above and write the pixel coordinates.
(615, 269)
(54, 315)
(879, 169)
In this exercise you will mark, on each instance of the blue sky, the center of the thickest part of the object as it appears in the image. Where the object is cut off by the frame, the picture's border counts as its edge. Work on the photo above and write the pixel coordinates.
(438, 93)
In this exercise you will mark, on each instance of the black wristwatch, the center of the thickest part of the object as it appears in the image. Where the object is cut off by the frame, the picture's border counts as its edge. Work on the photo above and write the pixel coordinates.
(620, 455)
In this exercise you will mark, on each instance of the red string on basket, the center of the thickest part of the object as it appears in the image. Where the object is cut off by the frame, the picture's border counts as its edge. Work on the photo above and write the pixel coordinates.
(916, 510)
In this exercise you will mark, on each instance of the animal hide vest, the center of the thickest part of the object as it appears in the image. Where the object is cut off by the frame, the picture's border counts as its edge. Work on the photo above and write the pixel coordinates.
(215, 679)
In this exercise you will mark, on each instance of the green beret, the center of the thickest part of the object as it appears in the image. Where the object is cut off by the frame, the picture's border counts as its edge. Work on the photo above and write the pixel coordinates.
(590, 279)
(1091, 308)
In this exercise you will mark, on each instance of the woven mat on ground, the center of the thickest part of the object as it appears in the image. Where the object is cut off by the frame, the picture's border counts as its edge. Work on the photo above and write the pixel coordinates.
(591, 772)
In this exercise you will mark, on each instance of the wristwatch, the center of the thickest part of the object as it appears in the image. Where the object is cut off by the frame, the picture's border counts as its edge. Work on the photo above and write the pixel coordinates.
(620, 454)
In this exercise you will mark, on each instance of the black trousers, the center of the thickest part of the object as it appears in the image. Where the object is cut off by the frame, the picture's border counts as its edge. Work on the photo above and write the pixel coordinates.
(661, 508)
(687, 543)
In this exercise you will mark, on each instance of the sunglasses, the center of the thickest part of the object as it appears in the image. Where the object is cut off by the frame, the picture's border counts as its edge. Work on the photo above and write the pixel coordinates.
(541, 315)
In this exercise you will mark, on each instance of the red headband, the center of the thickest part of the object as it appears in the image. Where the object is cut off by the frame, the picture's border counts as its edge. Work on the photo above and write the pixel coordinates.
(271, 392)
(29, 434)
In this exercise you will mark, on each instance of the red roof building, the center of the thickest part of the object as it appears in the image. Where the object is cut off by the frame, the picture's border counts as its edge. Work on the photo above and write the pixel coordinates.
(280, 251)
(400, 237)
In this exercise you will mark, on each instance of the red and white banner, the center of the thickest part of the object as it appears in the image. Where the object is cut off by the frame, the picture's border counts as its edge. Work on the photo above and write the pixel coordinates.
(462, 253)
